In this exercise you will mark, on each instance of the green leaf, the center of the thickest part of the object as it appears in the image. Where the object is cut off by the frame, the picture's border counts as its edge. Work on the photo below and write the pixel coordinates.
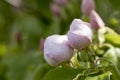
(115, 4)
(62, 74)
(113, 39)
(105, 76)
(111, 55)
(115, 74)
(22, 65)
(114, 57)
(2, 49)
(118, 52)
(108, 35)
(41, 71)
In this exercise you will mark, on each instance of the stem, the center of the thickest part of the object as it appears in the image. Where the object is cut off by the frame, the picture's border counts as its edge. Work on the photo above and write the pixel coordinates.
(92, 51)
(91, 57)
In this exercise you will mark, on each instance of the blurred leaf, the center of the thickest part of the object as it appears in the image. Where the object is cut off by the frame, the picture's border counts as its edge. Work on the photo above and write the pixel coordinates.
(108, 35)
(5, 21)
(44, 7)
(115, 74)
(41, 71)
(19, 64)
(111, 55)
(118, 52)
(115, 4)
(114, 22)
(3, 49)
(29, 26)
(114, 39)
(115, 67)
(104, 8)
(3, 71)
(62, 74)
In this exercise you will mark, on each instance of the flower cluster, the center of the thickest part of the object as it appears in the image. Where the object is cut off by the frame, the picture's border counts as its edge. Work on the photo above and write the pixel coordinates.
(60, 48)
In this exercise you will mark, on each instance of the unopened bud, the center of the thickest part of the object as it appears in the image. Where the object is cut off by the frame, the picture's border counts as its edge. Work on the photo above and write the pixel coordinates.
(80, 34)
(87, 6)
(57, 50)
(78, 24)
(96, 21)
(19, 37)
(56, 9)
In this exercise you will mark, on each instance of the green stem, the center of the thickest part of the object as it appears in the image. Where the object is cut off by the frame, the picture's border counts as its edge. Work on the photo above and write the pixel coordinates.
(91, 57)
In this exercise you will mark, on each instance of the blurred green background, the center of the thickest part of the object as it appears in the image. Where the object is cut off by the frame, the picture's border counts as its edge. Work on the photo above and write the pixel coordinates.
(25, 23)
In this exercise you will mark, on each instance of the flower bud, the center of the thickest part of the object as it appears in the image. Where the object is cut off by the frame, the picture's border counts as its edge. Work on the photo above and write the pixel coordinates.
(79, 39)
(80, 34)
(19, 37)
(56, 9)
(87, 6)
(78, 24)
(57, 50)
(96, 21)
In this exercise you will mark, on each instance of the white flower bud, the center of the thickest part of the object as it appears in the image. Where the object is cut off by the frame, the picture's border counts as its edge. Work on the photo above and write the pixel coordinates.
(87, 6)
(57, 49)
(78, 24)
(79, 39)
(80, 34)
(96, 21)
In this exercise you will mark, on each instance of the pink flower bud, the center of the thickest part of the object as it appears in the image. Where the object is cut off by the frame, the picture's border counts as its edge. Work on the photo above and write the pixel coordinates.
(79, 39)
(96, 21)
(56, 9)
(57, 50)
(80, 34)
(19, 37)
(78, 24)
(87, 6)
